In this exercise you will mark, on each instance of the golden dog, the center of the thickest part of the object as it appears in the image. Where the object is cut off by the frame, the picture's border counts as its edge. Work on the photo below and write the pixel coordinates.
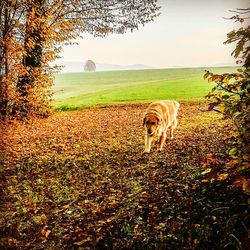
(159, 117)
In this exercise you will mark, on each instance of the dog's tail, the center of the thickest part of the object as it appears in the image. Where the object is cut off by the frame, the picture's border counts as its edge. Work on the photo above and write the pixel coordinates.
(176, 104)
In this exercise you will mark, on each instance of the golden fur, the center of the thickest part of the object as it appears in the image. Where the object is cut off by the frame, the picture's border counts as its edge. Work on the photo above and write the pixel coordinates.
(159, 117)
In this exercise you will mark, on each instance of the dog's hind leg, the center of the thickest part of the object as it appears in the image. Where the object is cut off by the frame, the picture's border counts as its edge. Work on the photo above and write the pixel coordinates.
(171, 129)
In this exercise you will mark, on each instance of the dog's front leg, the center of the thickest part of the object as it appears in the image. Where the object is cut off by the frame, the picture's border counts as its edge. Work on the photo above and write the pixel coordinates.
(148, 142)
(162, 140)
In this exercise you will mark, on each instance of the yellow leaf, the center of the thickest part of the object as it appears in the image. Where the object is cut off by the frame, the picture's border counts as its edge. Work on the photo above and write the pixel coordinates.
(210, 79)
(222, 177)
(43, 218)
(109, 220)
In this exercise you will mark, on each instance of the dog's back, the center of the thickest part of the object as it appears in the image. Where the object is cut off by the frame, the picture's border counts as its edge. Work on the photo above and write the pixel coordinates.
(172, 107)
(166, 109)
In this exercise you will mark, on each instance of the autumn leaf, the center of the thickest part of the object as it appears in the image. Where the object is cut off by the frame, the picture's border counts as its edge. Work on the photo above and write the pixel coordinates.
(243, 183)
(45, 232)
(222, 177)
(208, 170)
(204, 180)
(104, 188)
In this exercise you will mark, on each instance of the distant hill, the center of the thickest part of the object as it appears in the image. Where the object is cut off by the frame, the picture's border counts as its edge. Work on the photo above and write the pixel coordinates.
(79, 67)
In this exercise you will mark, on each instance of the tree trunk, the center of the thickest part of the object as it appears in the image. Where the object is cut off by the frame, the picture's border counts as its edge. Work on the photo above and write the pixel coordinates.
(33, 53)
(4, 64)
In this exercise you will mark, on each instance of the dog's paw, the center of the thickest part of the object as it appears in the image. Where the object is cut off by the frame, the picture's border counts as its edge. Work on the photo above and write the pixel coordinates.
(146, 152)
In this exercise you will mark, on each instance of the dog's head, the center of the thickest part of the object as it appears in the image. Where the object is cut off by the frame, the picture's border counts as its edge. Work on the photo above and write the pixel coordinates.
(151, 123)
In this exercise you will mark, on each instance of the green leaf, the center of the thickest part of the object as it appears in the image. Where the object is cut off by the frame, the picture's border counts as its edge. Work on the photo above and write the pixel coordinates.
(233, 151)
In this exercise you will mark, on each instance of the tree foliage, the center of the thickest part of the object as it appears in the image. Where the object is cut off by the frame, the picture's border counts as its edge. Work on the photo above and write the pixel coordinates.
(231, 97)
(31, 33)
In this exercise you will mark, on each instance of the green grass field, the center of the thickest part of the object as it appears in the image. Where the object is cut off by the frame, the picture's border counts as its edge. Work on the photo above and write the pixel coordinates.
(79, 90)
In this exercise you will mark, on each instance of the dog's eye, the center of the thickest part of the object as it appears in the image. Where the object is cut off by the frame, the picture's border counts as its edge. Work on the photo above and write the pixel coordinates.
(153, 123)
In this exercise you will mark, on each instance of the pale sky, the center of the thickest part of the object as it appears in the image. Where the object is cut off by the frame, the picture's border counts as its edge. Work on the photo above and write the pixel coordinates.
(188, 33)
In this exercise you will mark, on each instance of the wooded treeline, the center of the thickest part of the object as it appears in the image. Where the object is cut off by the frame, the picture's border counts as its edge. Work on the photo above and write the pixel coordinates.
(31, 33)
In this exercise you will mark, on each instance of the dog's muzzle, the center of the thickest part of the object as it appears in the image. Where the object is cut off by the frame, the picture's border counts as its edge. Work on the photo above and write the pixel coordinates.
(150, 132)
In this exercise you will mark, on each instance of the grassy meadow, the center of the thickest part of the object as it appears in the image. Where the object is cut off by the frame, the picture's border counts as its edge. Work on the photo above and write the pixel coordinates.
(78, 90)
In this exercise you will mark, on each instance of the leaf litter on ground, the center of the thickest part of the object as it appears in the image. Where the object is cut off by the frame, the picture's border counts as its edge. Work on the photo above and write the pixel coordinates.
(79, 180)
